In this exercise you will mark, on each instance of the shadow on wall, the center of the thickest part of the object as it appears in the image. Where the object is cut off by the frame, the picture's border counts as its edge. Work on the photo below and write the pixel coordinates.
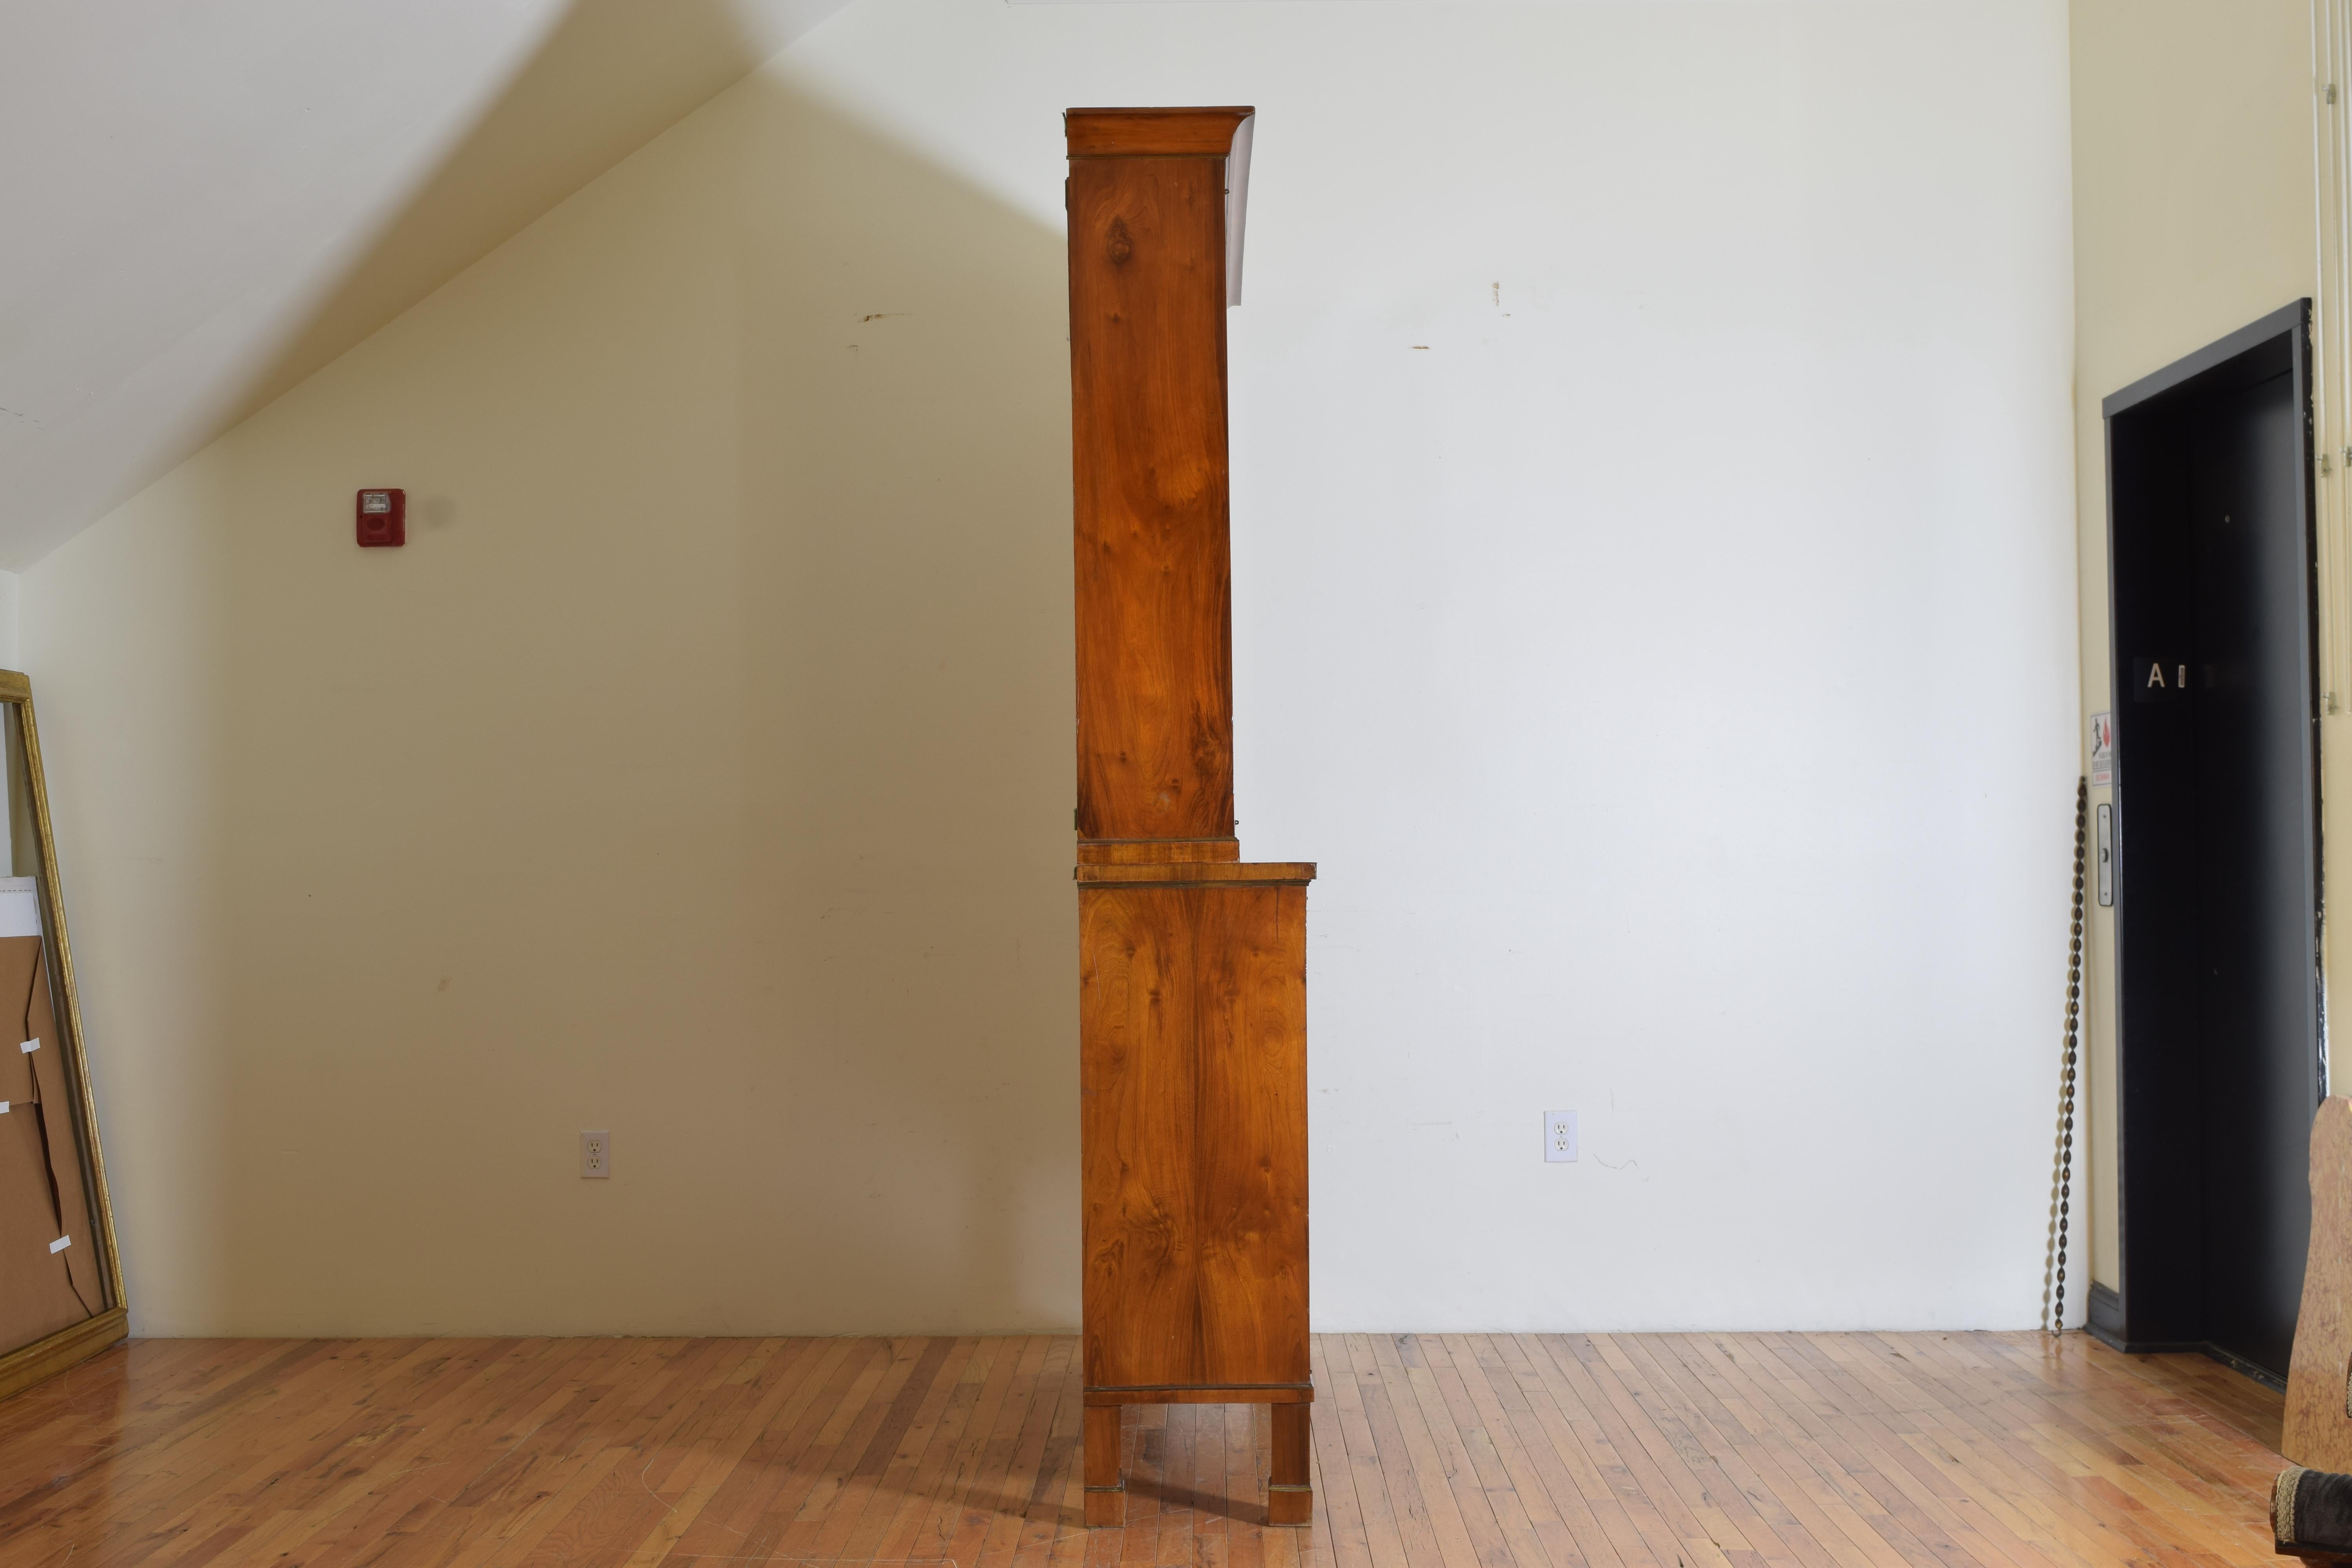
(609, 77)
(701, 770)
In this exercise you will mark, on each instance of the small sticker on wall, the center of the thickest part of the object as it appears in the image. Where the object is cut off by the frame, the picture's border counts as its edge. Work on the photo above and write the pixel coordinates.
(60, 1244)
(29, 1046)
(2103, 748)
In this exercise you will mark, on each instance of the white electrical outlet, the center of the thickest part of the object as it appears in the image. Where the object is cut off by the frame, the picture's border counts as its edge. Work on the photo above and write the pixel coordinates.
(1559, 1137)
(595, 1154)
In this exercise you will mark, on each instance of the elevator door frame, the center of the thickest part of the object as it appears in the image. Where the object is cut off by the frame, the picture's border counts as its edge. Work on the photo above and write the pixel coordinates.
(2149, 1318)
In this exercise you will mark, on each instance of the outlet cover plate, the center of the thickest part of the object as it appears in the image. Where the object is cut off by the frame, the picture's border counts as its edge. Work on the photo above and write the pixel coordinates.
(595, 1154)
(1559, 1137)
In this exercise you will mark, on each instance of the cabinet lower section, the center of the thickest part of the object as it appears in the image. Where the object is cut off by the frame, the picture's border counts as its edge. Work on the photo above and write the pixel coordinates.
(1192, 1085)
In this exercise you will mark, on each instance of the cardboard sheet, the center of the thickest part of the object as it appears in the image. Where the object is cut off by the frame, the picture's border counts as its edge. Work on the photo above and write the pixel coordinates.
(37, 1288)
(2319, 1376)
(34, 1083)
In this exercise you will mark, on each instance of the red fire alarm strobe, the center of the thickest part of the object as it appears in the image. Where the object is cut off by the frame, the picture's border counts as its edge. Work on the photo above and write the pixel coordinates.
(384, 518)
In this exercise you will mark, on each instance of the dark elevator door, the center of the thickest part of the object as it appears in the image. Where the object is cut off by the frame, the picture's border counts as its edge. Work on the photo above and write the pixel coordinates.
(2217, 890)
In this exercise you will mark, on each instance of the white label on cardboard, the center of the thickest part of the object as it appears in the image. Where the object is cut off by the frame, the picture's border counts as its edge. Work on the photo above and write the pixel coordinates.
(60, 1244)
(4, 1108)
(29, 1046)
(20, 907)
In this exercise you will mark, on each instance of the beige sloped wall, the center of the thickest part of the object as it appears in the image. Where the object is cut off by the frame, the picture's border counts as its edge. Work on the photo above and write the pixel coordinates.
(698, 771)
(2193, 216)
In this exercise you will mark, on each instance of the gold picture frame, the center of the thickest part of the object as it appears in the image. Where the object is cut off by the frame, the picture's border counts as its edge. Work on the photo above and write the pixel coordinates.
(27, 803)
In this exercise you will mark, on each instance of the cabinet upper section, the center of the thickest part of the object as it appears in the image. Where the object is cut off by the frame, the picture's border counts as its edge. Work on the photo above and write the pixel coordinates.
(1219, 132)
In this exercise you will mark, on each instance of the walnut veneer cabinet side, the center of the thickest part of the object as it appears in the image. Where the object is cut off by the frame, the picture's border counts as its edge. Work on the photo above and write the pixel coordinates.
(1191, 963)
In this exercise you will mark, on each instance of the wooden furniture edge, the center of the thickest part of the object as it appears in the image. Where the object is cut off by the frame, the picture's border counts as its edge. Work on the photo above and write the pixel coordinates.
(1206, 131)
(43, 1359)
(1199, 874)
(1156, 851)
(14, 687)
(1211, 1394)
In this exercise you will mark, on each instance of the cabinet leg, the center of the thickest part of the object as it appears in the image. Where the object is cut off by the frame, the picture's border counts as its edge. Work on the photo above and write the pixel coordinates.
(1106, 1486)
(1290, 1496)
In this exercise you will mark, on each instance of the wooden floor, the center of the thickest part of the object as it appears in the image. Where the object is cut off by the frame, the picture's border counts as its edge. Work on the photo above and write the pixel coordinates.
(1453, 1451)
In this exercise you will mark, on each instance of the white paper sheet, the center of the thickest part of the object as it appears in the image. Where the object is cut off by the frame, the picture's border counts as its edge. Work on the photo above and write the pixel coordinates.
(20, 907)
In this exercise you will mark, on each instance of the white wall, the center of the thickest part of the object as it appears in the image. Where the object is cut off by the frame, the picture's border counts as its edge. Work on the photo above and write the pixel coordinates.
(10, 648)
(1654, 609)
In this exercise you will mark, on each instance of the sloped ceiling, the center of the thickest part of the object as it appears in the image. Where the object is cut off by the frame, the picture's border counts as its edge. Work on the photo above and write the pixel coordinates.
(203, 204)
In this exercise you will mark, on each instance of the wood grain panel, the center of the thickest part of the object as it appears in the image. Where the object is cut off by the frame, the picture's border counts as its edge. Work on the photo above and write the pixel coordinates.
(1150, 462)
(1289, 1498)
(1204, 1394)
(1193, 1082)
(2318, 1432)
(1963, 1450)
(1249, 1176)
(1156, 851)
(1196, 873)
(1151, 132)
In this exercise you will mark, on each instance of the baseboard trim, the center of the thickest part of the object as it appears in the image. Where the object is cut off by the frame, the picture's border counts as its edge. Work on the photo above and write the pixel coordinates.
(2239, 1363)
(2105, 1323)
(2104, 1320)
(43, 1359)
(2150, 1347)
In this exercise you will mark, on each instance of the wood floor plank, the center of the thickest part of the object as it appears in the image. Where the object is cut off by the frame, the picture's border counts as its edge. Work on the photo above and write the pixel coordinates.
(892, 1459)
(1598, 1534)
(1564, 1445)
(915, 1516)
(2008, 1428)
(704, 1457)
(1902, 1446)
(1747, 1455)
(1996, 1419)
(1563, 1526)
(1639, 1530)
(1342, 1406)
(1529, 1526)
(1051, 1510)
(1863, 1436)
(1976, 1476)
(1039, 1506)
(1913, 1445)
(1443, 1457)
(988, 1435)
(1341, 1537)
(1725, 1482)
(768, 1469)
(1617, 1434)
(1798, 1475)
(1427, 1514)
(1959, 1450)
(982, 1494)
(1804, 1429)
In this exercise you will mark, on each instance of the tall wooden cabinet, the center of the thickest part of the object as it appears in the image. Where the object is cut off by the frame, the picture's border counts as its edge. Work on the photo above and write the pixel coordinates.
(1191, 962)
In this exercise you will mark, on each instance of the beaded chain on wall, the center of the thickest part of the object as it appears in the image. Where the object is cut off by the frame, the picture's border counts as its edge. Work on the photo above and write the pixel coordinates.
(2062, 1179)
